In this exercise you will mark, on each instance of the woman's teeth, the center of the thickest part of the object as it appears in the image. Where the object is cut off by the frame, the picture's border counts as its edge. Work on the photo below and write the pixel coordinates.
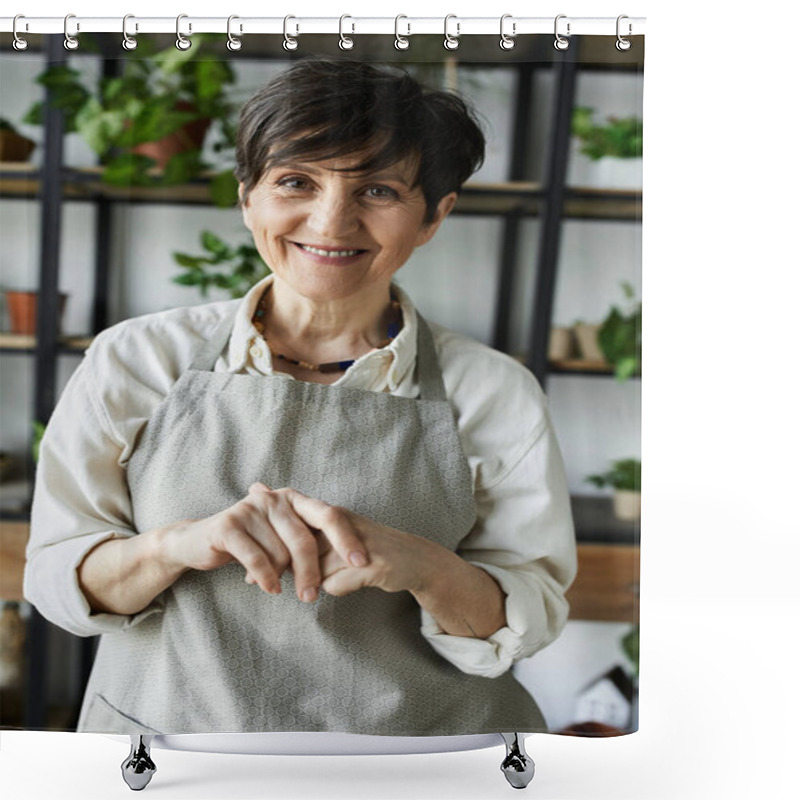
(329, 253)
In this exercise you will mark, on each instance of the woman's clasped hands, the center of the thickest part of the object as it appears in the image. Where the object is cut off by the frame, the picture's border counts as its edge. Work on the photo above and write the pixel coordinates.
(271, 531)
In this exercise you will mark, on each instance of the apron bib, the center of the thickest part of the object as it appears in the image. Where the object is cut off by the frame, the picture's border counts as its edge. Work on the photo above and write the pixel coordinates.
(225, 656)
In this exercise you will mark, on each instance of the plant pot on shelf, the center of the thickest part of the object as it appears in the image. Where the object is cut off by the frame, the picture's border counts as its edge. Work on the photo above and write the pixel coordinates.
(627, 504)
(189, 137)
(15, 147)
(561, 344)
(586, 337)
(22, 310)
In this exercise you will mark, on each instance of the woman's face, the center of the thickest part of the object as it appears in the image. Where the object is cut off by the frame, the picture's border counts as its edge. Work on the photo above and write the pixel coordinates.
(333, 235)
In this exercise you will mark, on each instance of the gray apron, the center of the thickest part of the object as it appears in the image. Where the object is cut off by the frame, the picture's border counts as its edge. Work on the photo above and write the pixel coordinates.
(225, 656)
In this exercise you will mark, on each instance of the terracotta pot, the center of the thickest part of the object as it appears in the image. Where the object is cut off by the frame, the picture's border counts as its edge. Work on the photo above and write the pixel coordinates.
(560, 347)
(189, 137)
(586, 336)
(627, 504)
(14, 147)
(22, 310)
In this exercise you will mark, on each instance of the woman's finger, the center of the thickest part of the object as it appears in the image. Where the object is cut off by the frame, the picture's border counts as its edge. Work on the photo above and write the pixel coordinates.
(256, 562)
(335, 523)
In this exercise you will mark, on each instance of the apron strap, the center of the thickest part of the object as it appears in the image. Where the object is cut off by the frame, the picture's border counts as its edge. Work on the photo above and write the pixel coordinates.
(213, 346)
(429, 375)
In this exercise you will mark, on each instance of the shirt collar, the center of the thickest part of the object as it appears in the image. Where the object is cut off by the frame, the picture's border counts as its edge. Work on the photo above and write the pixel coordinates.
(373, 371)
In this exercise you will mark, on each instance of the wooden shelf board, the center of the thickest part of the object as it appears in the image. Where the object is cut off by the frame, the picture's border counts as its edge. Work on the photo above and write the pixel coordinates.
(606, 588)
(13, 539)
(26, 341)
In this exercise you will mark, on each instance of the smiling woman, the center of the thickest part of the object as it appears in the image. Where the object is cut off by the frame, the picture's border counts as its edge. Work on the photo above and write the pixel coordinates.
(266, 552)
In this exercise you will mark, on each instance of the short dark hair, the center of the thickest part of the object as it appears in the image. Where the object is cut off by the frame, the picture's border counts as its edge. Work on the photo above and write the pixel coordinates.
(319, 109)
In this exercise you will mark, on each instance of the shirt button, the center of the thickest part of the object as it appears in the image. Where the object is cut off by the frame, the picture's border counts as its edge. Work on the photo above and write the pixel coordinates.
(256, 351)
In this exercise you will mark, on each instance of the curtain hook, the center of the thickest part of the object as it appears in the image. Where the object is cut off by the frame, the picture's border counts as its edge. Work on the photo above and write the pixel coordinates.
(507, 41)
(129, 42)
(561, 43)
(19, 43)
(182, 43)
(70, 42)
(345, 42)
(401, 42)
(451, 42)
(622, 43)
(289, 43)
(233, 44)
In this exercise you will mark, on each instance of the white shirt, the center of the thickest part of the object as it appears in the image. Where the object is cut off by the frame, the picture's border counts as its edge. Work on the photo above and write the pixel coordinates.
(523, 536)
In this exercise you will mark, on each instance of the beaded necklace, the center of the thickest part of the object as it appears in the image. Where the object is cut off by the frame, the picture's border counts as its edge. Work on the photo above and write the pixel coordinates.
(259, 317)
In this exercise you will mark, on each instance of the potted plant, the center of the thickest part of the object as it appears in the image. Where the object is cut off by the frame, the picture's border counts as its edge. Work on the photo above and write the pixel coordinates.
(620, 336)
(22, 307)
(153, 116)
(625, 478)
(14, 147)
(233, 269)
(606, 155)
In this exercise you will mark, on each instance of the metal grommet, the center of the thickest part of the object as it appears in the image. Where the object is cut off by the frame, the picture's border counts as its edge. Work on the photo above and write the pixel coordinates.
(128, 42)
(70, 42)
(401, 42)
(622, 43)
(288, 42)
(19, 43)
(345, 42)
(181, 42)
(233, 44)
(561, 43)
(451, 42)
(507, 42)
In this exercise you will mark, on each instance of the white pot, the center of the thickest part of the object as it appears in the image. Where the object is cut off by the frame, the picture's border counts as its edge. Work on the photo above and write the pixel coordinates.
(627, 504)
(586, 336)
(604, 173)
(560, 347)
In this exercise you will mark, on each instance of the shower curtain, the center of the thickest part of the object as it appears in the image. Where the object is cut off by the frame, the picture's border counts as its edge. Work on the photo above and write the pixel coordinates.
(539, 259)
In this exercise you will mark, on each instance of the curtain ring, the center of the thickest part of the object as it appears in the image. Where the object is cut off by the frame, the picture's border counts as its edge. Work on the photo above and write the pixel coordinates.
(129, 42)
(345, 42)
(401, 42)
(70, 42)
(561, 43)
(19, 43)
(289, 43)
(182, 43)
(233, 44)
(622, 43)
(507, 41)
(451, 42)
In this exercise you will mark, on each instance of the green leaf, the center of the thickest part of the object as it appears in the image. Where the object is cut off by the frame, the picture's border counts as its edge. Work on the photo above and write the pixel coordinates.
(98, 127)
(189, 279)
(129, 169)
(224, 189)
(182, 167)
(214, 244)
(190, 262)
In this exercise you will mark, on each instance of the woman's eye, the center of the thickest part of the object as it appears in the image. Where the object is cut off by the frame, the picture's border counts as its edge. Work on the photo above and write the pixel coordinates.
(293, 183)
(381, 193)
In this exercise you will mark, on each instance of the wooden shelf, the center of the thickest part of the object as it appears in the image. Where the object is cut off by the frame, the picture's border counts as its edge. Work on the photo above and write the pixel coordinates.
(607, 586)
(13, 539)
(27, 342)
(521, 197)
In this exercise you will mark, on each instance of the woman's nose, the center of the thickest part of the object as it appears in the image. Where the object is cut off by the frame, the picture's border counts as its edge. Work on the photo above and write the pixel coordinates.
(334, 215)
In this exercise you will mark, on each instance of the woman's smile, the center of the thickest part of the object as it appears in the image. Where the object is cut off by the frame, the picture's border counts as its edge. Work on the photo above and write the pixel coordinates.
(328, 255)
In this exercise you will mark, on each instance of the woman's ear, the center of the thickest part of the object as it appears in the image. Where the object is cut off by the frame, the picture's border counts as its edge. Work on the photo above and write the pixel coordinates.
(444, 207)
(245, 206)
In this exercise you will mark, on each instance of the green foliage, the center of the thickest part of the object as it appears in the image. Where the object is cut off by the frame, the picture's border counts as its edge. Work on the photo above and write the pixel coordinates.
(238, 268)
(157, 94)
(620, 337)
(38, 432)
(630, 646)
(5, 125)
(624, 474)
(621, 138)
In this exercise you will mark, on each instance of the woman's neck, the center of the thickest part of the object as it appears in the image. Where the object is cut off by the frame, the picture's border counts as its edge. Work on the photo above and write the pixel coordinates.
(329, 330)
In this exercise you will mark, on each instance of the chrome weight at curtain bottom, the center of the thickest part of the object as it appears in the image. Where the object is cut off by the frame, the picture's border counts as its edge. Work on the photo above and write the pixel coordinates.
(452, 27)
(138, 767)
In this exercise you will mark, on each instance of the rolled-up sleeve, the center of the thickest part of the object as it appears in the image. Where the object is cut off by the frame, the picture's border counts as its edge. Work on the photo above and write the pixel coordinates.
(524, 538)
(80, 500)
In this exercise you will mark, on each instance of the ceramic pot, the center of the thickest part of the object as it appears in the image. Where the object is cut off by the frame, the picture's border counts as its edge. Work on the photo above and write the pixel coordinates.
(22, 310)
(560, 346)
(586, 336)
(15, 148)
(627, 505)
(189, 137)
